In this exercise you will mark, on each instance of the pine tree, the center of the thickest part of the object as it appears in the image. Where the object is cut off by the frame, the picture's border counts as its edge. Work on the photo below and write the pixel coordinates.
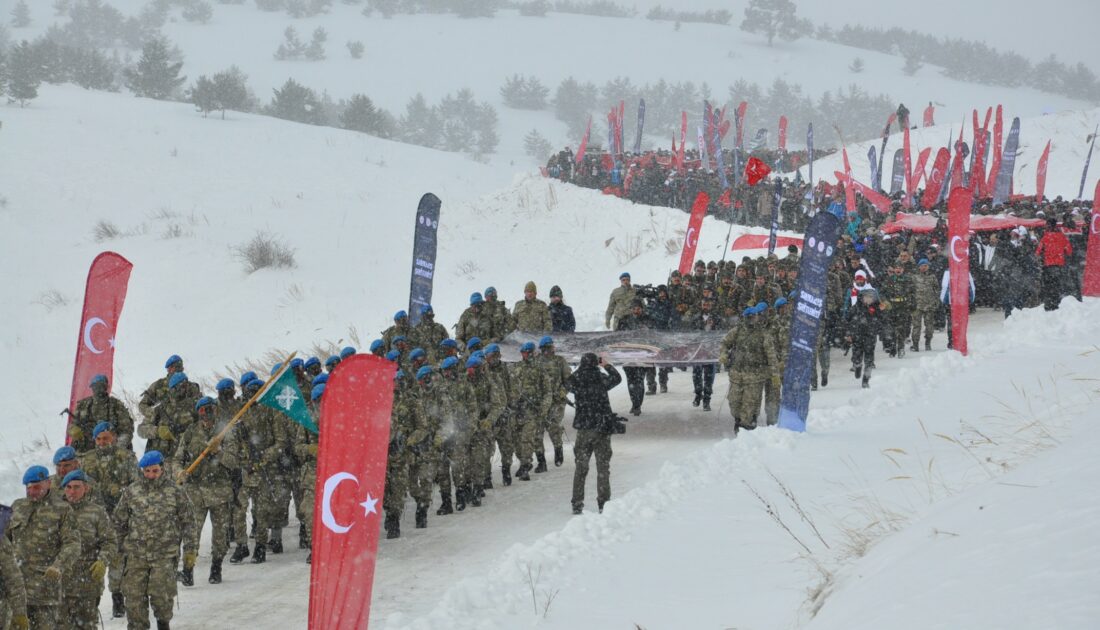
(487, 138)
(573, 101)
(198, 11)
(537, 146)
(202, 95)
(355, 49)
(155, 76)
(21, 15)
(420, 125)
(856, 66)
(912, 65)
(316, 50)
(92, 70)
(22, 72)
(361, 115)
(231, 90)
(292, 47)
(774, 18)
(296, 102)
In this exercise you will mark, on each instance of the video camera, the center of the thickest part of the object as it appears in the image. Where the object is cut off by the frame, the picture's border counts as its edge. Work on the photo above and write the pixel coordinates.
(645, 291)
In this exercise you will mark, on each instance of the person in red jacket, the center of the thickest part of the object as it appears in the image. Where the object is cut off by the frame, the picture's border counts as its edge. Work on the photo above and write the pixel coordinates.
(1053, 250)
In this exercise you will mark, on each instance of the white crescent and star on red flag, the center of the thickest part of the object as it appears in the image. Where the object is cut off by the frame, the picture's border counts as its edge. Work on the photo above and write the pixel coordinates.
(954, 253)
(91, 325)
(328, 517)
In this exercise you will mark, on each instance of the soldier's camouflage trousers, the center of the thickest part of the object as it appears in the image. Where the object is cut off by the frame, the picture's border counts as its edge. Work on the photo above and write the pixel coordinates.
(420, 476)
(527, 428)
(270, 494)
(214, 502)
(79, 613)
(588, 443)
(238, 518)
(397, 482)
(453, 461)
(505, 435)
(771, 398)
(307, 483)
(746, 390)
(928, 318)
(148, 583)
(481, 456)
(296, 494)
(551, 424)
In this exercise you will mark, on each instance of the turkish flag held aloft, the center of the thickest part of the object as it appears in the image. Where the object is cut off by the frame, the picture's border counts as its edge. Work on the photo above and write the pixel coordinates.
(1091, 284)
(104, 295)
(691, 237)
(351, 477)
(756, 171)
(958, 250)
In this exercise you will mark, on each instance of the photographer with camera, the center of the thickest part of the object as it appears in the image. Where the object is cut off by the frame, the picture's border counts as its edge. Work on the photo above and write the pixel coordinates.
(595, 423)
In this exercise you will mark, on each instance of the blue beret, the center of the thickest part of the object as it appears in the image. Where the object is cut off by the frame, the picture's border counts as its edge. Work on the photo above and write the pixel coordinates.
(781, 302)
(347, 352)
(427, 308)
(377, 345)
(100, 428)
(473, 341)
(527, 347)
(448, 343)
(475, 298)
(400, 315)
(172, 360)
(246, 377)
(424, 372)
(492, 349)
(275, 368)
(98, 378)
(177, 378)
(203, 402)
(151, 458)
(417, 353)
(317, 392)
(922, 262)
(333, 360)
(473, 362)
(255, 383)
(399, 374)
(297, 363)
(546, 341)
(624, 275)
(748, 311)
(35, 474)
(310, 362)
(224, 384)
(319, 379)
(491, 291)
(399, 338)
(393, 355)
(761, 307)
(64, 454)
(76, 475)
(448, 363)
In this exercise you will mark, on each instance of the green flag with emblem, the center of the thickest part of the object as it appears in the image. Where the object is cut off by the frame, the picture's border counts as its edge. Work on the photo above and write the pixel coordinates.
(284, 396)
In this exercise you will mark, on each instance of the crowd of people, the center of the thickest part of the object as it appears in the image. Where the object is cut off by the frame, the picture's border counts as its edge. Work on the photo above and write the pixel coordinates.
(107, 517)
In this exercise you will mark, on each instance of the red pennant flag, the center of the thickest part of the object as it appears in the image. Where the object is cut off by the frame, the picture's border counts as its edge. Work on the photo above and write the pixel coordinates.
(691, 238)
(929, 116)
(995, 164)
(584, 142)
(918, 170)
(104, 295)
(849, 191)
(880, 201)
(958, 249)
(756, 170)
(1041, 173)
(351, 477)
(907, 201)
(977, 171)
(1091, 284)
(740, 119)
(724, 200)
(760, 241)
(936, 178)
(683, 138)
(782, 133)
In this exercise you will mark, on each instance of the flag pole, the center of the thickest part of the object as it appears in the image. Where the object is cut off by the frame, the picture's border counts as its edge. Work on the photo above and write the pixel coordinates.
(217, 439)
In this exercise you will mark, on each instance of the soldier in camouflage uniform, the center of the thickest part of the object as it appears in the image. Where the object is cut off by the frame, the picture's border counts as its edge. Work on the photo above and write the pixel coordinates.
(618, 305)
(533, 399)
(99, 407)
(64, 461)
(400, 327)
(428, 334)
(749, 352)
(926, 287)
(209, 487)
(898, 295)
(114, 468)
(531, 314)
(504, 429)
(158, 391)
(424, 444)
(227, 407)
(780, 325)
(43, 531)
(402, 419)
(262, 437)
(83, 584)
(557, 373)
(13, 595)
(458, 404)
(153, 519)
(474, 322)
(492, 404)
(305, 451)
(497, 311)
(171, 416)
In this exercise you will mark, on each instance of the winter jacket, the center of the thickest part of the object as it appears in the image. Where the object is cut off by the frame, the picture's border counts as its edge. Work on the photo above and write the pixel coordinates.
(561, 318)
(589, 388)
(1053, 249)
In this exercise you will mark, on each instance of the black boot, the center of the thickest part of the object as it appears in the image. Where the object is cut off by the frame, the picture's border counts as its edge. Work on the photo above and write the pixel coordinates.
(118, 606)
(651, 390)
(474, 495)
(239, 554)
(460, 499)
(393, 526)
(163, 625)
(578, 508)
(276, 545)
(302, 542)
(187, 577)
(824, 379)
(698, 399)
(259, 554)
(506, 475)
(445, 507)
(486, 484)
(664, 388)
(522, 472)
(215, 572)
(859, 371)
(541, 468)
(914, 347)
(559, 456)
(421, 517)
(867, 381)
(927, 344)
(479, 490)
(309, 558)
(706, 404)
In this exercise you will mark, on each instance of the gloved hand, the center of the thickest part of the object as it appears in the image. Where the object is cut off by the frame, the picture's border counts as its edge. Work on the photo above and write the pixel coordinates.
(776, 382)
(75, 432)
(189, 559)
(485, 425)
(53, 574)
(20, 622)
(98, 570)
(312, 448)
(164, 433)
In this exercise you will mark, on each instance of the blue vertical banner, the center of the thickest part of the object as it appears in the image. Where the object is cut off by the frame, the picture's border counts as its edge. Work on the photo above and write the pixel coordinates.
(1003, 187)
(1088, 158)
(424, 246)
(641, 125)
(776, 202)
(809, 309)
(810, 158)
(875, 175)
(718, 157)
(897, 176)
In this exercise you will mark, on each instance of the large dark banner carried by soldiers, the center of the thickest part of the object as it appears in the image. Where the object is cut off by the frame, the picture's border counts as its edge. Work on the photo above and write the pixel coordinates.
(809, 307)
(424, 242)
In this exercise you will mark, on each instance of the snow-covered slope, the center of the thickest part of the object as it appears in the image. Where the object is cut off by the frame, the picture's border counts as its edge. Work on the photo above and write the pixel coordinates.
(1068, 133)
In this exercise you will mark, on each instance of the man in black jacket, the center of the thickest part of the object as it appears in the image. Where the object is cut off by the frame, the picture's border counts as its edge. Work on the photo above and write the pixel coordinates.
(561, 316)
(662, 313)
(636, 375)
(593, 421)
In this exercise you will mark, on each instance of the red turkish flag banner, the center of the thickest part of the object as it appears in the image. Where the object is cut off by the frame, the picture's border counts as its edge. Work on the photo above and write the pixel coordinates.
(584, 142)
(1041, 174)
(958, 250)
(880, 201)
(782, 133)
(929, 116)
(907, 200)
(683, 139)
(104, 295)
(936, 178)
(351, 478)
(1091, 284)
(756, 171)
(760, 241)
(849, 191)
(918, 170)
(691, 238)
